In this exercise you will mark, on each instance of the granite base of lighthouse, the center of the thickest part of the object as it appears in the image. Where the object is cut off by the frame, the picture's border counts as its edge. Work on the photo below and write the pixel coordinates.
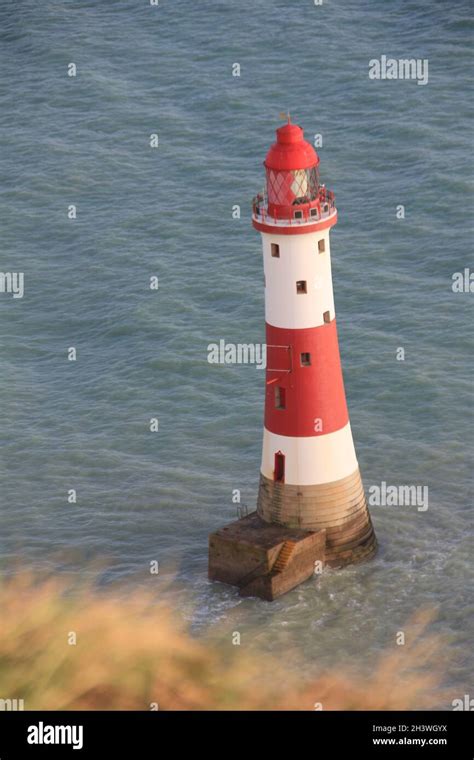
(338, 507)
(264, 559)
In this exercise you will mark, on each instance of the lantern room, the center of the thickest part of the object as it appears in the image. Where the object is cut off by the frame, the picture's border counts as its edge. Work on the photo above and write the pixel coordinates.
(292, 175)
(293, 197)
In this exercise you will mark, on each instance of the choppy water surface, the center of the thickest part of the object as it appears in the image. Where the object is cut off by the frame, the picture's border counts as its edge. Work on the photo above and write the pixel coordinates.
(84, 140)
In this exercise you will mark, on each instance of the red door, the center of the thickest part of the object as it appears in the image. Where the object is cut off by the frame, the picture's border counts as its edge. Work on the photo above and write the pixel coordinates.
(279, 471)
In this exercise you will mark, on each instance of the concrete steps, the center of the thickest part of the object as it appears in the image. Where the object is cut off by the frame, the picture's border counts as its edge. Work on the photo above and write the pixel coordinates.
(284, 556)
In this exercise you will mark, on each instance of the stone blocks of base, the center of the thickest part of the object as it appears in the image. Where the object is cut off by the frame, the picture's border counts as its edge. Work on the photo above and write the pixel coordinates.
(264, 559)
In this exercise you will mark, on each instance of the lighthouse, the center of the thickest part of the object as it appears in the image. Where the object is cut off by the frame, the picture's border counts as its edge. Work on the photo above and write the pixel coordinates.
(309, 476)
(310, 484)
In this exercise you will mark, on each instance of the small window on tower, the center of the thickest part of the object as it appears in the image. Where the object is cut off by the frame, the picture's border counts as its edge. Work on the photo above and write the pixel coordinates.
(321, 246)
(275, 250)
(305, 359)
(298, 214)
(301, 286)
(280, 398)
(327, 316)
(313, 212)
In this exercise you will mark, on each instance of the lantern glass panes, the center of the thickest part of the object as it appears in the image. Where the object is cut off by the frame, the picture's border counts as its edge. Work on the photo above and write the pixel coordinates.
(288, 188)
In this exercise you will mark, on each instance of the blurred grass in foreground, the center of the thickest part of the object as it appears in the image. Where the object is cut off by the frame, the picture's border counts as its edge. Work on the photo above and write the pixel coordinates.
(132, 652)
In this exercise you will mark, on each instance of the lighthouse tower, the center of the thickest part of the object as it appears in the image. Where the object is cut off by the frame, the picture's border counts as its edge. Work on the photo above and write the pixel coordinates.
(309, 476)
(311, 507)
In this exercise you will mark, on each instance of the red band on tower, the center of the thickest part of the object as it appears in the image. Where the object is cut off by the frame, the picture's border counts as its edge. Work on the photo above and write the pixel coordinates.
(314, 400)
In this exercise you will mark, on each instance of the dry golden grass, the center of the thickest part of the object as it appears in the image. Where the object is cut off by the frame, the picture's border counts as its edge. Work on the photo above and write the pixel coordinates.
(132, 652)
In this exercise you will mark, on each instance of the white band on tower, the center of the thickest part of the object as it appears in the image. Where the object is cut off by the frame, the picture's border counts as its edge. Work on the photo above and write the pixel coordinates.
(311, 460)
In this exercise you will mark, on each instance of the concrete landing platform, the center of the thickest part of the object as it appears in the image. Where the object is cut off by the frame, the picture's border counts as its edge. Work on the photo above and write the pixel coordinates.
(264, 559)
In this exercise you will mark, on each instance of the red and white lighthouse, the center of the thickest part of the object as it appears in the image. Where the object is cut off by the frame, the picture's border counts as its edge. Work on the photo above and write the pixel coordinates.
(309, 476)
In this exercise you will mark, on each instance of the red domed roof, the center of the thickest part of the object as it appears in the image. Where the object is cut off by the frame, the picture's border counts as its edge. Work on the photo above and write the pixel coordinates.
(291, 151)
